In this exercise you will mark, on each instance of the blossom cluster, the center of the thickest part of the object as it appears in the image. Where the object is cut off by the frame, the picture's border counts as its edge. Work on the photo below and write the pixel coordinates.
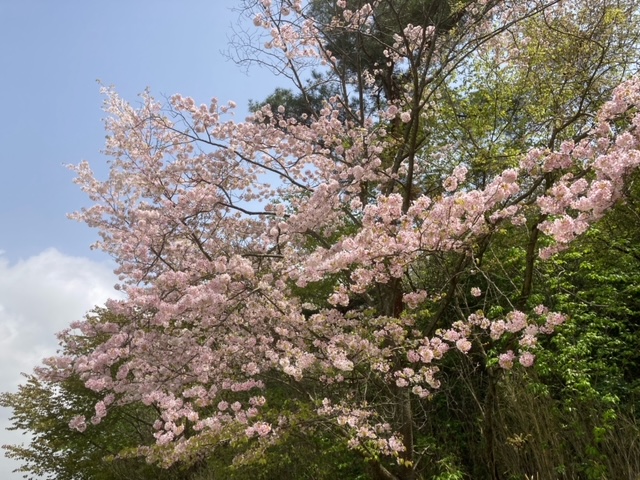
(217, 266)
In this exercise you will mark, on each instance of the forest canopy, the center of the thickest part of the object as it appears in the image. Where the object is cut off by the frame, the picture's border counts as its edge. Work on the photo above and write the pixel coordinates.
(417, 259)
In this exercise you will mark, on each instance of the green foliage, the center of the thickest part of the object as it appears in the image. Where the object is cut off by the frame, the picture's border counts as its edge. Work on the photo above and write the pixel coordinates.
(357, 52)
(56, 451)
(574, 416)
(304, 105)
(310, 455)
(598, 282)
(586, 387)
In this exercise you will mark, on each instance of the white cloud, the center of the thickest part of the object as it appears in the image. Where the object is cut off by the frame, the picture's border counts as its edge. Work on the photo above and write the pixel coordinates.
(39, 297)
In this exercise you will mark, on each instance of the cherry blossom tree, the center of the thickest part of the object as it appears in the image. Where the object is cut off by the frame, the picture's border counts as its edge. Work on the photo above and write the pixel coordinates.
(44, 409)
(299, 254)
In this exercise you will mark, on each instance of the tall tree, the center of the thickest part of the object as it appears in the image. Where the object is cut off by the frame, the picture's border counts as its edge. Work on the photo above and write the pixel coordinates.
(359, 277)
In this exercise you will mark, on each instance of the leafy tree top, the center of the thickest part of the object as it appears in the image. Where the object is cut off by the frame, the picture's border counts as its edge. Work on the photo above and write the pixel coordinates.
(324, 279)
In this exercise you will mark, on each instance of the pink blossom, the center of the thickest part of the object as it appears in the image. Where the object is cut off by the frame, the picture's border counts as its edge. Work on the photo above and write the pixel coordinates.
(516, 321)
(101, 412)
(528, 341)
(505, 360)
(426, 354)
(413, 356)
(223, 231)
(460, 173)
(402, 382)
(510, 175)
(541, 309)
(414, 299)
(420, 391)
(261, 429)
(497, 329)
(78, 423)
(463, 344)
(450, 184)
(343, 364)
(526, 359)
(396, 445)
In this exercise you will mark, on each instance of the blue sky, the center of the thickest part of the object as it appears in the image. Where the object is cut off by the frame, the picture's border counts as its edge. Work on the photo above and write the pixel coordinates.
(51, 54)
